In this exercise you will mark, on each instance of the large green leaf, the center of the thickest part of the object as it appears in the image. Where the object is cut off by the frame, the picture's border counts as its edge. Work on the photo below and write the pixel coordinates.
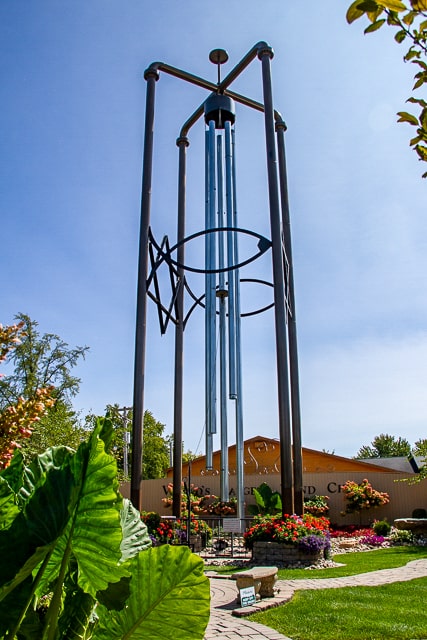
(268, 501)
(12, 606)
(14, 472)
(8, 507)
(170, 597)
(75, 622)
(24, 571)
(134, 531)
(31, 534)
(36, 472)
(94, 534)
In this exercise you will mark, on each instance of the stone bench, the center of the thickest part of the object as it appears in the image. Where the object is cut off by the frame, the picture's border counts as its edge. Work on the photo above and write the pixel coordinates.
(262, 579)
(416, 525)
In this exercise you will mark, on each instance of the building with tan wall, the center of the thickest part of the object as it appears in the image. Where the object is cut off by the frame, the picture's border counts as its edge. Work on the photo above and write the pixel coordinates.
(323, 474)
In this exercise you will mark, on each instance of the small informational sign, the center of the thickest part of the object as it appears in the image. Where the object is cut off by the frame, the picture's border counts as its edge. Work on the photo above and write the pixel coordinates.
(232, 525)
(247, 596)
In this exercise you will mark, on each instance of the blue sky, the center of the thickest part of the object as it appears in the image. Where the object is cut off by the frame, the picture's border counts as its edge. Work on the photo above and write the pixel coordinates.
(72, 101)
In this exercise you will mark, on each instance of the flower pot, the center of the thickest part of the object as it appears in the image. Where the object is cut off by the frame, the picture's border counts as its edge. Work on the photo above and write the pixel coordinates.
(275, 553)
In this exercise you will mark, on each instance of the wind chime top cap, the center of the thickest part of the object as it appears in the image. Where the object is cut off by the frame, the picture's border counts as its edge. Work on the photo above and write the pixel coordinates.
(218, 56)
(221, 109)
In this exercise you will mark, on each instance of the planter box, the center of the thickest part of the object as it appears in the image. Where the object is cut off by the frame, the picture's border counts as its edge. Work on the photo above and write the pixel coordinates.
(274, 553)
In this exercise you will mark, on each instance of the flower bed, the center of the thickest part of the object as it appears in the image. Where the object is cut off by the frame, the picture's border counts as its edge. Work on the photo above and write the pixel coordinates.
(287, 540)
(175, 531)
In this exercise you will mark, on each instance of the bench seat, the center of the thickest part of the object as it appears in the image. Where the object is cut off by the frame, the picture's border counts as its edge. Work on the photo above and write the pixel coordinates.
(263, 579)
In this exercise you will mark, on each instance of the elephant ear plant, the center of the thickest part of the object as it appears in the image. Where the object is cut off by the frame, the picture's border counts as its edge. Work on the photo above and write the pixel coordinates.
(268, 502)
(75, 558)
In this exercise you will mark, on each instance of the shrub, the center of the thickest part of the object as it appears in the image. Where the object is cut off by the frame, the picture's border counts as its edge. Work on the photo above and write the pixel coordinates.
(401, 536)
(151, 519)
(419, 513)
(381, 527)
(362, 496)
(268, 502)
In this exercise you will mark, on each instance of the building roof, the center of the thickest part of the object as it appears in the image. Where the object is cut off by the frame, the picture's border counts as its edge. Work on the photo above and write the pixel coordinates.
(397, 463)
(262, 456)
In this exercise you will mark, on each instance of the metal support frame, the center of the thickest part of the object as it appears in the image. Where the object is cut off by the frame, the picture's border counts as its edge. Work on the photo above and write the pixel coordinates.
(285, 323)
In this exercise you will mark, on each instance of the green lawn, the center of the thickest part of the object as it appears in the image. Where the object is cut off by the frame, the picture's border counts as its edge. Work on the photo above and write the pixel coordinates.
(360, 562)
(354, 563)
(392, 612)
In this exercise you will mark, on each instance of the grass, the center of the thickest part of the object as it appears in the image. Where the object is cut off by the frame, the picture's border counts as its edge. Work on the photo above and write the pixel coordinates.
(354, 563)
(360, 562)
(390, 612)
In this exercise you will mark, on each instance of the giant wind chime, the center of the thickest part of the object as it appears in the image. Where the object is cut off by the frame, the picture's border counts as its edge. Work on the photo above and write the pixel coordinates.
(221, 298)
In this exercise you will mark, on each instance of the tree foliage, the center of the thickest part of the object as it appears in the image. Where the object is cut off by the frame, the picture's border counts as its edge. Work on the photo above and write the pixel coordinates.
(39, 362)
(420, 447)
(35, 405)
(411, 27)
(385, 446)
(59, 426)
(155, 457)
(18, 418)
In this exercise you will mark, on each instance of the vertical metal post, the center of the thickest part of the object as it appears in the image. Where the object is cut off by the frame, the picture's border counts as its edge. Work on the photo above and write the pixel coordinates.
(292, 326)
(126, 439)
(222, 294)
(179, 334)
(141, 301)
(286, 474)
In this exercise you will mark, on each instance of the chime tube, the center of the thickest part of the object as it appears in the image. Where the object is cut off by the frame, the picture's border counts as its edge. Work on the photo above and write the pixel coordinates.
(222, 330)
(210, 315)
(239, 399)
(230, 264)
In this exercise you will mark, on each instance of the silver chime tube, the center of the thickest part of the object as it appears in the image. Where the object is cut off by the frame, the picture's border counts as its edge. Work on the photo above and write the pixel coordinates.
(239, 399)
(222, 294)
(210, 311)
(230, 263)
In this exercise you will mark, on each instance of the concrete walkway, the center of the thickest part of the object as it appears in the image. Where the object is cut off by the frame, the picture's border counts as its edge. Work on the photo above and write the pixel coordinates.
(227, 621)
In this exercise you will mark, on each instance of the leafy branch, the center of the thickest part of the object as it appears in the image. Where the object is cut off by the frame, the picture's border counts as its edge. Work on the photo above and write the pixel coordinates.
(412, 25)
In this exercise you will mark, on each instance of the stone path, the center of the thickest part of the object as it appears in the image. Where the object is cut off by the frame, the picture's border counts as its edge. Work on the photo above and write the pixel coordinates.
(226, 621)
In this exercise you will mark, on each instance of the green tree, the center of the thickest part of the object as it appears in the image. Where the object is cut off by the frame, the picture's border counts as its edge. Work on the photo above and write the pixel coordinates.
(155, 457)
(411, 27)
(385, 446)
(59, 426)
(40, 378)
(17, 419)
(420, 448)
(39, 362)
